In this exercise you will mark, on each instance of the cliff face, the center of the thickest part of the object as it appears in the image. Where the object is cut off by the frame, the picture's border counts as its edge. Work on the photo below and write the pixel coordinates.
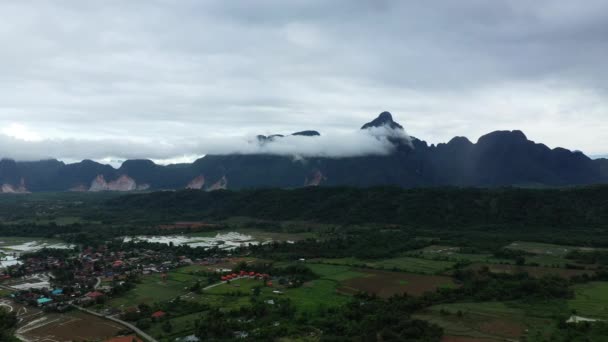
(14, 189)
(197, 183)
(122, 183)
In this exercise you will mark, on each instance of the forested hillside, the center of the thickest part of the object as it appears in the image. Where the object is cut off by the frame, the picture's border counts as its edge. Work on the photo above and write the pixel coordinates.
(437, 206)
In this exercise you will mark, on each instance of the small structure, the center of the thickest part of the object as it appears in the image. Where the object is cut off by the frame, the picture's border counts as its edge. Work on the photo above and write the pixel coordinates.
(159, 315)
(43, 301)
(94, 294)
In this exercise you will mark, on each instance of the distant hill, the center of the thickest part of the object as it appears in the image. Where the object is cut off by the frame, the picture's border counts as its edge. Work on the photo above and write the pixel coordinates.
(501, 158)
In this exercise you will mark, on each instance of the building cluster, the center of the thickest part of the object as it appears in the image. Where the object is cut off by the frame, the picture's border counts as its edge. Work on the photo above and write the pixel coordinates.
(86, 278)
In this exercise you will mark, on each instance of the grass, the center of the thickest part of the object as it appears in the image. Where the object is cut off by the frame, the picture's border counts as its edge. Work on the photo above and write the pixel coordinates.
(307, 298)
(153, 289)
(490, 320)
(181, 326)
(591, 300)
(315, 294)
(405, 263)
(546, 248)
(548, 260)
(334, 272)
(451, 253)
(241, 285)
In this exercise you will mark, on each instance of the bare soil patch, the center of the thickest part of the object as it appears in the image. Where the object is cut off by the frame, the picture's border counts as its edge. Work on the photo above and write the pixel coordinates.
(386, 284)
(72, 326)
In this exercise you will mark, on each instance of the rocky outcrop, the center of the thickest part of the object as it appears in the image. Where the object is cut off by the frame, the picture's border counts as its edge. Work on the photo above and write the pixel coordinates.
(314, 179)
(197, 183)
(123, 183)
(99, 184)
(12, 189)
(221, 184)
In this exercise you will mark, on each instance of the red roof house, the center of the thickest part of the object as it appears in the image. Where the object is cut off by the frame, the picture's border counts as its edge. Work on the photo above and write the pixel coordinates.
(94, 294)
(159, 314)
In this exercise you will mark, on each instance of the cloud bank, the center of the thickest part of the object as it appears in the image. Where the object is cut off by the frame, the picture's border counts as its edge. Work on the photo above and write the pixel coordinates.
(375, 141)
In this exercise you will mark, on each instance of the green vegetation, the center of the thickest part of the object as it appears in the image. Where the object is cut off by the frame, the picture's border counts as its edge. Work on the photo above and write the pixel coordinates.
(591, 300)
(406, 264)
(153, 288)
(465, 258)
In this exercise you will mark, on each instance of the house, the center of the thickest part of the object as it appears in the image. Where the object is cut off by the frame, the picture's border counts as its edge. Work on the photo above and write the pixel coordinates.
(43, 301)
(158, 315)
(94, 294)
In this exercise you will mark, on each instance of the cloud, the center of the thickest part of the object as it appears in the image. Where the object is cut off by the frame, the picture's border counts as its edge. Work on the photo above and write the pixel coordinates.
(192, 71)
(375, 141)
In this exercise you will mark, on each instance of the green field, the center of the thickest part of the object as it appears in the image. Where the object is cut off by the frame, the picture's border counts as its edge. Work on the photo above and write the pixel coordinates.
(490, 320)
(153, 289)
(451, 253)
(334, 272)
(547, 248)
(182, 326)
(591, 300)
(315, 294)
(405, 263)
(310, 296)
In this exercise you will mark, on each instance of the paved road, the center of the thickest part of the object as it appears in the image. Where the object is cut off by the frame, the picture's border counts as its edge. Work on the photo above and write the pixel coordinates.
(139, 332)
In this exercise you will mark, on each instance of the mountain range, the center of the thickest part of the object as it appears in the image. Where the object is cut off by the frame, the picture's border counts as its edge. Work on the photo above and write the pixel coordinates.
(501, 158)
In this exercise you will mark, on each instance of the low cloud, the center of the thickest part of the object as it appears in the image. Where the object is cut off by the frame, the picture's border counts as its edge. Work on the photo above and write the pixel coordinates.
(375, 141)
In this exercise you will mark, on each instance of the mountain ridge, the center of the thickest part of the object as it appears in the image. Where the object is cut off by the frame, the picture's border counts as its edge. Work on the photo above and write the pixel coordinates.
(499, 158)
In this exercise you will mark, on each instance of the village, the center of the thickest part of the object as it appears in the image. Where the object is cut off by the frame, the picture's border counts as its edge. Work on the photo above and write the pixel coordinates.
(58, 281)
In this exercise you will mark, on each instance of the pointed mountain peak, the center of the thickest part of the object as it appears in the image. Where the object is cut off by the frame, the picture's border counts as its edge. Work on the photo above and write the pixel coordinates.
(384, 119)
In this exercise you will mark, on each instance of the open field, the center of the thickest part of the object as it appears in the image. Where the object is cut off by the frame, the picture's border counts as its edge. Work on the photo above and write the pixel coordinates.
(534, 271)
(488, 321)
(154, 289)
(38, 326)
(591, 300)
(70, 327)
(405, 263)
(310, 296)
(386, 284)
(547, 248)
(181, 326)
(453, 253)
(335, 272)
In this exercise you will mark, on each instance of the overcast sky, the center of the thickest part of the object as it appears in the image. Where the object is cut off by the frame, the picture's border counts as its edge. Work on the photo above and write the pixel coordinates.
(171, 80)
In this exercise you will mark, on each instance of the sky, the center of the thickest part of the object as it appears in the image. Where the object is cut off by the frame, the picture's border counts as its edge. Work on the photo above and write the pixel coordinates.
(175, 80)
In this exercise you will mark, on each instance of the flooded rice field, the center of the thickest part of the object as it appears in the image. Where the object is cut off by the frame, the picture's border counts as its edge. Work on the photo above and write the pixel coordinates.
(229, 240)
